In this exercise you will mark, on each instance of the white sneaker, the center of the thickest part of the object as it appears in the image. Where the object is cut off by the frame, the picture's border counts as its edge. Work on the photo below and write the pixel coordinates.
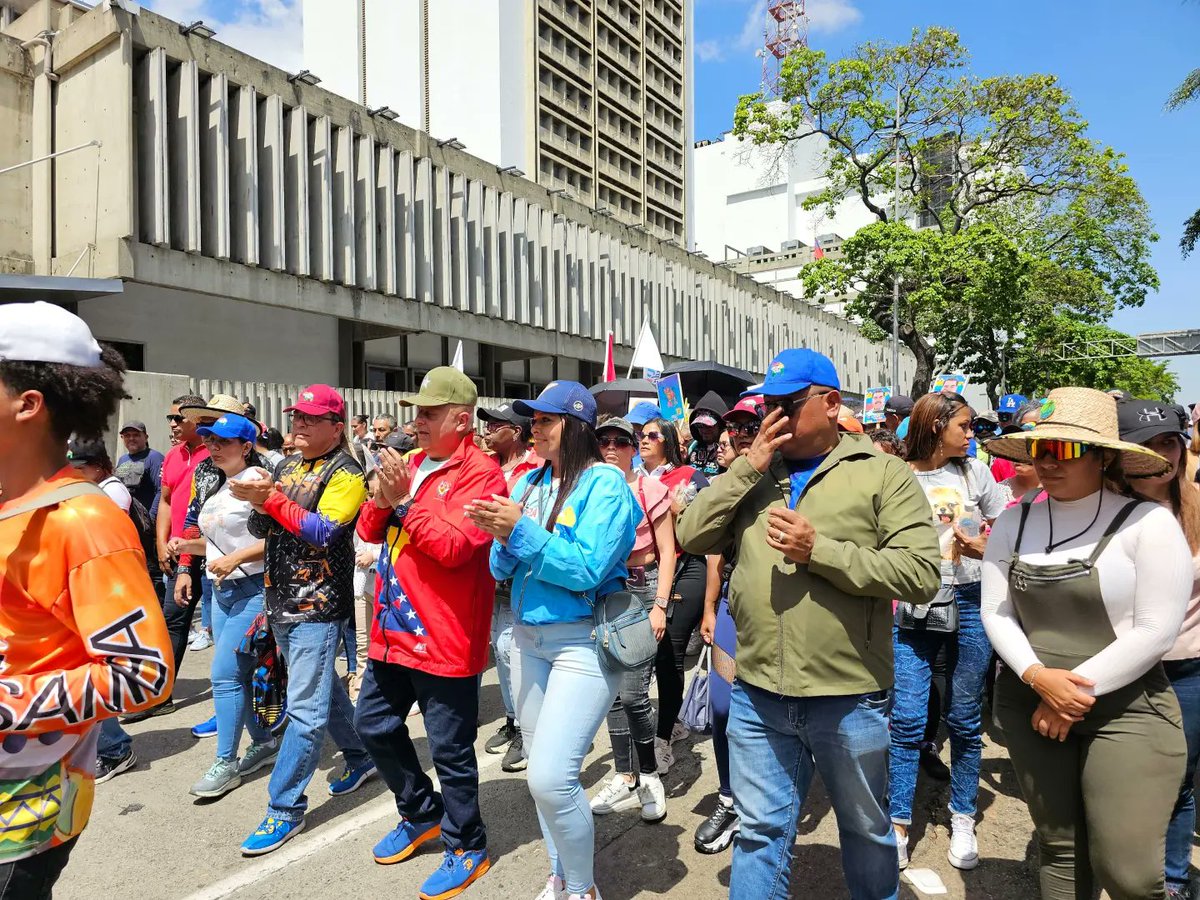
(664, 755)
(901, 849)
(616, 796)
(653, 797)
(679, 732)
(964, 848)
(202, 642)
(594, 895)
(555, 889)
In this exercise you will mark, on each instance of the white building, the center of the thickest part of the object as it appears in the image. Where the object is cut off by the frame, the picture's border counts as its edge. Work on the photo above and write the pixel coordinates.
(593, 99)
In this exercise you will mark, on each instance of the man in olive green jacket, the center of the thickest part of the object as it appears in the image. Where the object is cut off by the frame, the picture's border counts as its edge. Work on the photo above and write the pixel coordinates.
(827, 532)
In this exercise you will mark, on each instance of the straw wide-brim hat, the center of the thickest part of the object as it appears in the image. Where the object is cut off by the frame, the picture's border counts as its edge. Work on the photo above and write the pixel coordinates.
(217, 407)
(1085, 415)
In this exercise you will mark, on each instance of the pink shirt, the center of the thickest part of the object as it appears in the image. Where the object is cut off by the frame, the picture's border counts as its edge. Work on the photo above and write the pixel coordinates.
(177, 468)
(653, 498)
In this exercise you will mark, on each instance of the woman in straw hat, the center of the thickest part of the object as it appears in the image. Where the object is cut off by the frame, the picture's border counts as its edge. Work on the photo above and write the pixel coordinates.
(1082, 596)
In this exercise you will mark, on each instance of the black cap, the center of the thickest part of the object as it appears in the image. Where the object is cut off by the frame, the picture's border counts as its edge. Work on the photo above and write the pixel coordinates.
(900, 405)
(503, 413)
(1141, 420)
(399, 441)
(79, 452)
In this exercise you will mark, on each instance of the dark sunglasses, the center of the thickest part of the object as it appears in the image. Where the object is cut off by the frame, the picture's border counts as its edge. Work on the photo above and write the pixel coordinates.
(616, 441)
(749, 429)
(492, 427)
(651, 436)
(788, 405)
(175, 419)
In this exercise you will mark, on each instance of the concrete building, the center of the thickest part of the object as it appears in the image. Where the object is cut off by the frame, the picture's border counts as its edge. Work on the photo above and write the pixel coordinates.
(592, 98)
(263, 229)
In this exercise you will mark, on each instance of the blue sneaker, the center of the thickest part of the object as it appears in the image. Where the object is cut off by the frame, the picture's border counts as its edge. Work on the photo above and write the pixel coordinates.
(403, 841)
(206, 729)
(351, 779)
(459, 868)
(270, 835)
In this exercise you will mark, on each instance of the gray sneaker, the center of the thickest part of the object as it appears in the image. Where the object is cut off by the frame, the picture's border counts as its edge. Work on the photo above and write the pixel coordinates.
(222, 778)
(258, 756)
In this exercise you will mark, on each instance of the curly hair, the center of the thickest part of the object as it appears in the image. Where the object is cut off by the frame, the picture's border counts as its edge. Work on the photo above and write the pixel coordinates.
(79, 400)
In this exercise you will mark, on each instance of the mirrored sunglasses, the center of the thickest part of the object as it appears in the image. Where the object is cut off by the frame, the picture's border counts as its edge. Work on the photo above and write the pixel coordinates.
(1062, 451)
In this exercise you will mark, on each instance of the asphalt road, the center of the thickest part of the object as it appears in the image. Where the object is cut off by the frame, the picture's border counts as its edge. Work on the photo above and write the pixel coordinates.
(148, 838)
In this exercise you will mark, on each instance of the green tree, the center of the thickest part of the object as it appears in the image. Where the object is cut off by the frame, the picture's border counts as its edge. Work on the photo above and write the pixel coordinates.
(1009, 152)
(1188, 90)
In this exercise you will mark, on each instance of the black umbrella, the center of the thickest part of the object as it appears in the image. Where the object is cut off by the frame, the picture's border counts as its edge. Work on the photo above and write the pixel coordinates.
(698, 378)
(614, 397)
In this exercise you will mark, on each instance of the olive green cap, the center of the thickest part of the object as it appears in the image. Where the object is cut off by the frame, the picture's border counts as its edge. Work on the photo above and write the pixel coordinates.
(443, 386)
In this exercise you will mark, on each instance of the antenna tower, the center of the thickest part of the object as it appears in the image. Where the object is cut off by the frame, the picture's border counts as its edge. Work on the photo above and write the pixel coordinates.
(786, 28)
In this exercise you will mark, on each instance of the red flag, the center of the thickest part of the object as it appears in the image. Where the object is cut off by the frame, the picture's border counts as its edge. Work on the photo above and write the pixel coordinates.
(610, 365)
(818, 253)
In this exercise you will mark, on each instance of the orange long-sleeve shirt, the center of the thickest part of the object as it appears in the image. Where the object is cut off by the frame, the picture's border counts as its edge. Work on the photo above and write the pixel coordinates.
(82, 638)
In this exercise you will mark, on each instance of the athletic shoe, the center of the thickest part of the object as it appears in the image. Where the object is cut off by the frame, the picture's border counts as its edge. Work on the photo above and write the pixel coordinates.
(205, 729)
(679, 732)
(163, 709)
(1180, 892)
(932, 764)
(220, 779)
(718, 830)
(258, 756)
(964, 848)
(653, 797)
(514, 758)
(616, 796)
(555, 889)
(193, 636)
(664, 755)
(270, 835)
(202, 642)
(403, 841)
(109, 767)
(459, 869)
(502, 738)
(902, 850)
(352, 779)
(595, 895)
(694, 644)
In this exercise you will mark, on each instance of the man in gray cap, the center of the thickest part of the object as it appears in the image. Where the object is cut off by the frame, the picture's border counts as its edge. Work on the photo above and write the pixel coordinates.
(140, 467)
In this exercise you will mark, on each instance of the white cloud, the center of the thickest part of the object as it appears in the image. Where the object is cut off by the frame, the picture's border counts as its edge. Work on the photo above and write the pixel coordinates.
(270, 30)
(710, 51)
(751, 37)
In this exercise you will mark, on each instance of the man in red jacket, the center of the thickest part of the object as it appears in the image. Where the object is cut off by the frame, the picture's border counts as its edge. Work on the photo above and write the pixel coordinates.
(429, 639)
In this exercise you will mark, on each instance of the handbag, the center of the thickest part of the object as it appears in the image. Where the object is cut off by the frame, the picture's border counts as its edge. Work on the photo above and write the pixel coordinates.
(939, 616)
(622, 633)
(696, 712)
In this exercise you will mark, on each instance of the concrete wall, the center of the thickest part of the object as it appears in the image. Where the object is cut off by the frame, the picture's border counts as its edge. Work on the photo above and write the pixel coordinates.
(16, 110)
(150, 396)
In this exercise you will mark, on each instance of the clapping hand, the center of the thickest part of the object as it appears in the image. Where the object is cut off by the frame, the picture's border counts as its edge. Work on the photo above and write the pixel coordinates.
(498, 516)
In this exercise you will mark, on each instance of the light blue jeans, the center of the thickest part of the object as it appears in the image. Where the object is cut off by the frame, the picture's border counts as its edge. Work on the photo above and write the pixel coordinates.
(502, 646)
(236, 604)
(559, 684)
(317, 701)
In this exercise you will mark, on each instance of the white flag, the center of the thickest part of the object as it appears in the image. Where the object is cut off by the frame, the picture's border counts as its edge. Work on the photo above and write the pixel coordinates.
(646, 354)
(457, 362)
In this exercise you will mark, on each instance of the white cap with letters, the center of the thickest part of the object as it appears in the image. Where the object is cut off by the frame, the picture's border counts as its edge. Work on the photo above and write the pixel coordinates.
(43, 332)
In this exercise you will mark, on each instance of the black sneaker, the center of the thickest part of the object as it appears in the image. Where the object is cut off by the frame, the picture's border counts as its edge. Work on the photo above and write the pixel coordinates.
(108, 768)
(933, 766)
(718, 830)
(502, 738)
(163, 709)
(514, 760)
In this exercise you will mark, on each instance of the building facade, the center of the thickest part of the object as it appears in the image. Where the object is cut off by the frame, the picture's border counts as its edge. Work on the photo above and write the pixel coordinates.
(590, 97)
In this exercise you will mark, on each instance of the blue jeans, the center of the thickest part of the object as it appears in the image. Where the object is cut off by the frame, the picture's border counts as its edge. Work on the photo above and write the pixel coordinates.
(114, 741)
(775, 745)
(316, 700)
(1185, 679)
(237, 604)
(502, 645)
(206, 602)
(968, 654)
(559, 684)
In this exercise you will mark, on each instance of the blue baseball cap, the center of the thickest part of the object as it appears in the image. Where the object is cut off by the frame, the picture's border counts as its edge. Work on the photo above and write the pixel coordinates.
(562, 398)
(794, 370)
(643, 412)
(1010, 403)
(231, 425)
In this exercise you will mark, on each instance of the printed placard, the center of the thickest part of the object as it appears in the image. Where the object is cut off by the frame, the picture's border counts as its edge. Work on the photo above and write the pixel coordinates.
(949, 384)
(670, 399)
(875, 404)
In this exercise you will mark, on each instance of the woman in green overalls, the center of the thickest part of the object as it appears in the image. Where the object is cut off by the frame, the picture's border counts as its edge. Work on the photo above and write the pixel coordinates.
(1082, 596)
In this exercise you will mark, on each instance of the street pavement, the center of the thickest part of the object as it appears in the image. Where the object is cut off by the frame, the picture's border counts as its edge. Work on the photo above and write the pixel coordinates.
(148, 838)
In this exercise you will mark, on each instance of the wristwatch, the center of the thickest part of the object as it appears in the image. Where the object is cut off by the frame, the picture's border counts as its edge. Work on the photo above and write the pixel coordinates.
(662, 602)
(401, 510)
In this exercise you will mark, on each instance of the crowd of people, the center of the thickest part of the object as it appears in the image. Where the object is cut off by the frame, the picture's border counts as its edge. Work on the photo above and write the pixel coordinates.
(859, 588)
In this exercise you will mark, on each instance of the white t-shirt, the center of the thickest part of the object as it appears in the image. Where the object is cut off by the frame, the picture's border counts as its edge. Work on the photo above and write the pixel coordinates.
(117, 492)
(955, 496)
(1146, 576)
(224, 522)
(426, 468)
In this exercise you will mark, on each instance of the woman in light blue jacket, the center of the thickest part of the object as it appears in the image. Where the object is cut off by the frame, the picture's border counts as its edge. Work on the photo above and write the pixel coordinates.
(563, 538)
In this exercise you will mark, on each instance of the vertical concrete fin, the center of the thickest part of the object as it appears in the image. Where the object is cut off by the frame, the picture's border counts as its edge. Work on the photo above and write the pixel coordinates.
(406, 227)
(243, 169)
(183, 158)
(272, 183)
(153, 180)
(214, 167)
(343, 206)
(364, 212)
(295, 192)
(386, 244)
(320, 197)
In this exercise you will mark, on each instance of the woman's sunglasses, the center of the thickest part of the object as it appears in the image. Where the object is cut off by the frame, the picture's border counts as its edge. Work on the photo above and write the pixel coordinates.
(1062, 451)
(749, 429)
(618, 441)
(652, 436)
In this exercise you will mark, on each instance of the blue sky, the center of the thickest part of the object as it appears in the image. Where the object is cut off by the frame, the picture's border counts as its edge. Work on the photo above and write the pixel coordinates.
(1119, 61)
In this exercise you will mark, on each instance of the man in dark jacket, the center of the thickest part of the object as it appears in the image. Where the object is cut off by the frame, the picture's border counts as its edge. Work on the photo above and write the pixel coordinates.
(705, 424)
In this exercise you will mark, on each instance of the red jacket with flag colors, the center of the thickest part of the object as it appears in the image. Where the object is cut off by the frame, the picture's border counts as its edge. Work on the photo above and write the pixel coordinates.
(434, 590)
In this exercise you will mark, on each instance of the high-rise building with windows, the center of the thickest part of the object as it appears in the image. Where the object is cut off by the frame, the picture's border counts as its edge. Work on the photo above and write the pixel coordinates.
(593, 97)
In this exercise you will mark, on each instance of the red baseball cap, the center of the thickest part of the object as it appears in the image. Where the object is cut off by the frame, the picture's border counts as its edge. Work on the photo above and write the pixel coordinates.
(319, 400)
(750, 405)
